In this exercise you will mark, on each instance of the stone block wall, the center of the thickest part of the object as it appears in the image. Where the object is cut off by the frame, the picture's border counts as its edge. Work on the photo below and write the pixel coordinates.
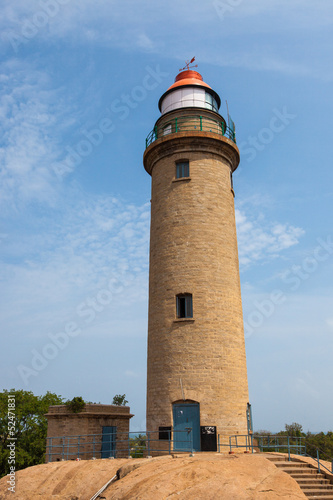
(71, 434)
(193, 249)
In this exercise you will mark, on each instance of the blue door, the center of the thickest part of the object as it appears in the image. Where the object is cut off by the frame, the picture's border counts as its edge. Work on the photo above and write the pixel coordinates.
(108, 442)
(186, 417)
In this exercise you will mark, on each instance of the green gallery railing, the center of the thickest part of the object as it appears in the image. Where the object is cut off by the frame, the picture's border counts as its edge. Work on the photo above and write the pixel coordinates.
(191, 123)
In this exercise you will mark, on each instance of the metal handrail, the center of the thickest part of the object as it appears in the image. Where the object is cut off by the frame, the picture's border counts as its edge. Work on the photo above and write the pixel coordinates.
(190, 123)
(245, 438)
(292, 444)
(317, 459)
(278, 442)
(270, 442)
(317, 448)
(319, 464)
(97, 494)
(90, 445)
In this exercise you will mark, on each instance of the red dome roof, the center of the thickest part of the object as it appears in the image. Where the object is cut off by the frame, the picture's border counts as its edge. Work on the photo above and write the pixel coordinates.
(189, 77)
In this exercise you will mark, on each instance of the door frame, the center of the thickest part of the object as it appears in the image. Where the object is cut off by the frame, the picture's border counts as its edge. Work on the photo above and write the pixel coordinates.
(194, 444)
(108, 445)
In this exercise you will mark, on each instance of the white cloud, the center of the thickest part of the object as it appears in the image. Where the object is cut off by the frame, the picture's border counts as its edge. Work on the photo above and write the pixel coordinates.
(261, 240)
(130, 373)
(329, 322)
(30, 111)
(116, 22)
(259, 60)
(305, 385)
(145, 42)
(145, 27)
(56, 265)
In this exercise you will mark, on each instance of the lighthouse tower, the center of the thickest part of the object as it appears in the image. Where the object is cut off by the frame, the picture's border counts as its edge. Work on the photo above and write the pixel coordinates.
(197, 377)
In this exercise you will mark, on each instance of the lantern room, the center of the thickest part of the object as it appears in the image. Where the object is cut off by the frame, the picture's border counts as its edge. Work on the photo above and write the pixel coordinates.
(189, 91)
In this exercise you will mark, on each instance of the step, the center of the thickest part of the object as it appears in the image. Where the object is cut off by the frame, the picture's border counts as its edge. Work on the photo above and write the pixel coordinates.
(315, 480)
(301, 465)
(309, 479)
(277, 459)
(313, 484)
(305, 475)
(328, 497)
(317, 486)
(299, 470)
(318, 494)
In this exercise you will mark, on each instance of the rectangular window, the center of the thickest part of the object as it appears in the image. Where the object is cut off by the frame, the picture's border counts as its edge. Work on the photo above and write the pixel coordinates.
(182, 169)
(184, 306)
(164, 433)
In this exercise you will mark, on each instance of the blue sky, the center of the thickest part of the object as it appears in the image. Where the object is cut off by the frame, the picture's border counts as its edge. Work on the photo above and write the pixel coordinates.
(80, 83)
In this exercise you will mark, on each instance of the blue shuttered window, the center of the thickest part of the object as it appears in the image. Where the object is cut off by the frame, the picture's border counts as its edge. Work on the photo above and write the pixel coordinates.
(182, 169)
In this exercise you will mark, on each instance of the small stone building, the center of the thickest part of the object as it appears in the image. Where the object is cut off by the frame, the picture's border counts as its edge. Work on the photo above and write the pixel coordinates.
(98, 431)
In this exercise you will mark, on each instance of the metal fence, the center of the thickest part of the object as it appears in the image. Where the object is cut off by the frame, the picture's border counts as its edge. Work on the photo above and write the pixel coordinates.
(281, 444)
(239, 442)
(251, 442)
(276, 443)
(118, 445)
(144, 444)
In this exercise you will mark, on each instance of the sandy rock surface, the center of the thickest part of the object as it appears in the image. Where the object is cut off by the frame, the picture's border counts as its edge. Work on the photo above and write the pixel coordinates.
(204, 476)
(62, 480)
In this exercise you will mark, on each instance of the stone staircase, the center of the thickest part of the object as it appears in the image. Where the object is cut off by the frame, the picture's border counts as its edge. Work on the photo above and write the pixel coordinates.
(313, 484)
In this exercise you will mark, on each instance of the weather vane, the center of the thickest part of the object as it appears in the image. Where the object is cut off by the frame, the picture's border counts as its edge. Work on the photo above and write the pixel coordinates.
(187, 64)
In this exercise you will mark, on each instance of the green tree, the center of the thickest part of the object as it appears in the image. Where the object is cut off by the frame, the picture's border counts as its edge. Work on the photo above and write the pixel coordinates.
(30, 427)
(138, 445)
(321, 441)
(263, 432)
(120, 400)
(76, 405)
(294, 430)
(313, 442)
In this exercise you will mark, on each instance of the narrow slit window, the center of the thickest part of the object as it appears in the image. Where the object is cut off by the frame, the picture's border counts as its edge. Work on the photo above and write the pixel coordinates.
(182, 169)
(231, 181)
(184, 306)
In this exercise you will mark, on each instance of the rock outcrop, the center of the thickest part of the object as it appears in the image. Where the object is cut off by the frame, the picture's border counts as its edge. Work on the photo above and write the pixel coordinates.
(204, 476)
